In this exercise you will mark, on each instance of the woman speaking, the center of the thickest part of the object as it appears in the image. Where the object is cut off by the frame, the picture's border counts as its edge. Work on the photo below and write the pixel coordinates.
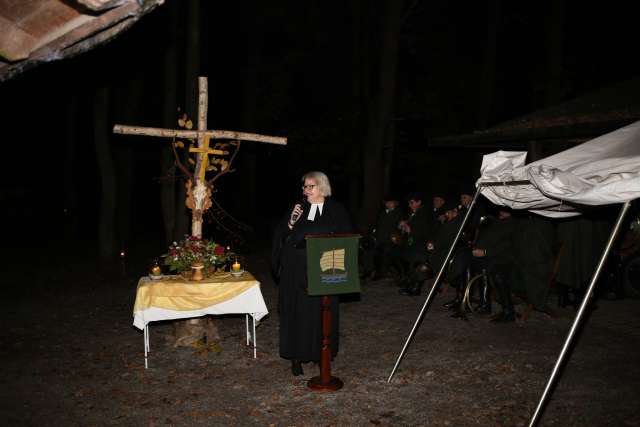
(300, 314)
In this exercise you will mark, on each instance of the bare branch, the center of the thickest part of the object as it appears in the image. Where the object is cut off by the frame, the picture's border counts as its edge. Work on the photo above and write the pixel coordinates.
(178, 162)
(227, 169)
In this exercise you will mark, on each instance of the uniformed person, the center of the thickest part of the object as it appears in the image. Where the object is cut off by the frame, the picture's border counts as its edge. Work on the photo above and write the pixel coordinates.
(386, 234)
(413, 250)
(438, 247)
(441, 243)
(494, 252)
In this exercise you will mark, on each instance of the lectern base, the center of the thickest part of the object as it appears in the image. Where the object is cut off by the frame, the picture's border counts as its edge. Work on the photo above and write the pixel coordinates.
(316, 384)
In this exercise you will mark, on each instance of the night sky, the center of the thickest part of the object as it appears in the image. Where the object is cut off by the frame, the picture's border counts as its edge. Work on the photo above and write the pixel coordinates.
(296, 69)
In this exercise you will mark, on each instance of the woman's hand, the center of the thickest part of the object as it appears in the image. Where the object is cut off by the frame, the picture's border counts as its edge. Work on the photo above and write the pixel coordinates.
(295, 215)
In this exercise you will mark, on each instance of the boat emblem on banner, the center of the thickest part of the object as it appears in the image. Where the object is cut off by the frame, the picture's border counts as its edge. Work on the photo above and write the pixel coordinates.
(332, 267)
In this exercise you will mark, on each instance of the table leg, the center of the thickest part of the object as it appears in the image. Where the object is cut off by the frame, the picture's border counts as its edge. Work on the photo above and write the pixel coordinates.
(251, 334)
(246, 318)
(255, 339)
(146, 345)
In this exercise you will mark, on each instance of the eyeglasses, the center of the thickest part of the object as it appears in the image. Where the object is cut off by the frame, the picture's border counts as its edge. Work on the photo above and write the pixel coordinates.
(309, 186)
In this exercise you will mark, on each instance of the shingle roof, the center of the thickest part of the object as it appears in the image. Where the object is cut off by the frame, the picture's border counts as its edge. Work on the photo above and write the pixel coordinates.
(37, 31)
(577, 120)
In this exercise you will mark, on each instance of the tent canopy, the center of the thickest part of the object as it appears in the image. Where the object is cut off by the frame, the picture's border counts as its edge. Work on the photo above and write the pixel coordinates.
(601, 171)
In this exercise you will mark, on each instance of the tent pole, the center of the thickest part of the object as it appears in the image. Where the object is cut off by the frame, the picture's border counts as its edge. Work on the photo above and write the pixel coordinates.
(587, 296)
(435, 284)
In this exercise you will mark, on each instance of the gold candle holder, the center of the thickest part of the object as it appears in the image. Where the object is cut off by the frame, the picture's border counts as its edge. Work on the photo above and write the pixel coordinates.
(196, 271)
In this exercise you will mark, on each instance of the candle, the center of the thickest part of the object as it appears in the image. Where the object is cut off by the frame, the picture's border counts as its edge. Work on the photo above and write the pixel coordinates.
(155, 270)
(236, 266)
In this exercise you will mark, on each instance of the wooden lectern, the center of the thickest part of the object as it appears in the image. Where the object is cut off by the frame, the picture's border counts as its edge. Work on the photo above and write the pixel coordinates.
(332, 268)
(324, 381)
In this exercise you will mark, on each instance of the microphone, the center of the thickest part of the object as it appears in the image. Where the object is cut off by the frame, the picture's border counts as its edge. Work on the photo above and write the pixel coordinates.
(295, 215)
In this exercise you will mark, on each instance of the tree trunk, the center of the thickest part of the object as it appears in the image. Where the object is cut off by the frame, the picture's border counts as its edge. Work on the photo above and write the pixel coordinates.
(248, 159)
(192, 72)
(107, 210)
(381, 115)
(124, 160)
(70, 208)
(554, 32)
(359, 96)
(487, 84)
(168, 183)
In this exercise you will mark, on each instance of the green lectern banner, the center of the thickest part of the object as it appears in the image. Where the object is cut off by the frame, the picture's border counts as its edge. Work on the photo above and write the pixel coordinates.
(332, 264)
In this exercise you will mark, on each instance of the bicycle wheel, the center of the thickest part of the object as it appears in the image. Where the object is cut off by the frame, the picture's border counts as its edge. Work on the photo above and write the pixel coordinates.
(470, 290)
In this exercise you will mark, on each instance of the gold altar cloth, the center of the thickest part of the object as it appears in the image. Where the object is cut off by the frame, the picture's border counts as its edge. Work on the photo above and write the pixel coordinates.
(176, 293)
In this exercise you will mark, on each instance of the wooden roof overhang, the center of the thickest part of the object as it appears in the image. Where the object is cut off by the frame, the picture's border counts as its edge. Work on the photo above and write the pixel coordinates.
(571, 122)
(38, 31)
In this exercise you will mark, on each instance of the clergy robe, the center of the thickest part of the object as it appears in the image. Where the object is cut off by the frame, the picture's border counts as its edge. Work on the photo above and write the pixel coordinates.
(300, 315)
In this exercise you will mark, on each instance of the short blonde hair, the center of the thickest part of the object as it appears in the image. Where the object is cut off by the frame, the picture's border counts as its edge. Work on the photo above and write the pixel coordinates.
(322, 181)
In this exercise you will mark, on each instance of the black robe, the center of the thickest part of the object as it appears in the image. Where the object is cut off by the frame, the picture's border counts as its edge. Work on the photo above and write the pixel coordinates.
(300, 316)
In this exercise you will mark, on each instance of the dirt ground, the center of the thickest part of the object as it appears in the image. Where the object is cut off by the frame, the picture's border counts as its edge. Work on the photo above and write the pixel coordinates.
(70, 356)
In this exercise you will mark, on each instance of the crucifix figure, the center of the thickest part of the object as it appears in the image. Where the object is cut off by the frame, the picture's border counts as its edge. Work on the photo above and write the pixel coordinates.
(199, 199)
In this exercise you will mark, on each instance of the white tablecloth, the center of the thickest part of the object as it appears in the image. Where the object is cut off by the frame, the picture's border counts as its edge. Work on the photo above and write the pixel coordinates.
(248, 302)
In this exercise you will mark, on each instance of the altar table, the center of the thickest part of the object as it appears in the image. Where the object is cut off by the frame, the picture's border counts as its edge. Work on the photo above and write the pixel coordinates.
(173, 297)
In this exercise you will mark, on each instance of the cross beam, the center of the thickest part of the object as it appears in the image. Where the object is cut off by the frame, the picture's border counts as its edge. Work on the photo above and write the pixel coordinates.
(194, 134)
(202, 151)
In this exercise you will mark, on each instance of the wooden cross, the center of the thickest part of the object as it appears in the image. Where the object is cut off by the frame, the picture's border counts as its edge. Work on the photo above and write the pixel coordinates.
(200, 190)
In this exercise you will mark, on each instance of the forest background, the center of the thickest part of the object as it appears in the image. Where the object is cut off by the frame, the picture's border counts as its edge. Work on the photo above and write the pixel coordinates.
(359, 88)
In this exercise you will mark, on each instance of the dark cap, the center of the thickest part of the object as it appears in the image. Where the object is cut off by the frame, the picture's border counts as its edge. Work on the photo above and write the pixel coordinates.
(449, 205)
(390, 197)
(415, 195)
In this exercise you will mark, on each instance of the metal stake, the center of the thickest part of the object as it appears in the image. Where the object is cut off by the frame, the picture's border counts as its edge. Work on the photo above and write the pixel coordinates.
(435, 284)
(587, 296)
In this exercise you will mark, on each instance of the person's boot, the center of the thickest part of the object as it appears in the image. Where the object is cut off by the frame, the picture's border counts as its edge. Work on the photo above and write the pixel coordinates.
(485, 300)
(504, 317)
(451, 305)
(403, 284)
(296, 368)
(563, 295)
(454, 304)
(460, 312)
(413, 291)
(508, 314)
(376, 275)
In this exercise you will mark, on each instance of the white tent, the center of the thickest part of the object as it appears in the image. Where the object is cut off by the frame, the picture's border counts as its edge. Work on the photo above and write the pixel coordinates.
(603, 171)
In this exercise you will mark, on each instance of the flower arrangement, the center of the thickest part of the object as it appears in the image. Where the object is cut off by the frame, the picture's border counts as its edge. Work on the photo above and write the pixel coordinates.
(182, 255)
